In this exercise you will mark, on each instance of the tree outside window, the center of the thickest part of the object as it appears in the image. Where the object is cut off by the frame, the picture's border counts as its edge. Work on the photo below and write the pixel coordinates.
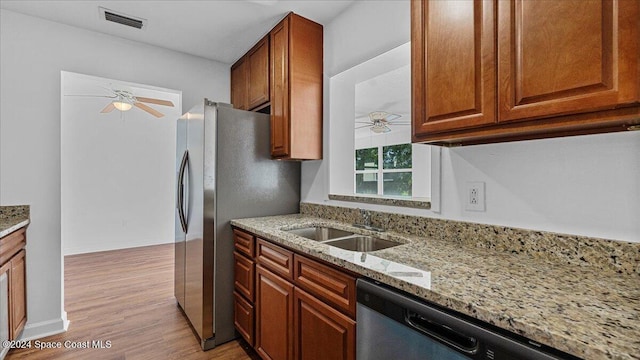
(384, 170)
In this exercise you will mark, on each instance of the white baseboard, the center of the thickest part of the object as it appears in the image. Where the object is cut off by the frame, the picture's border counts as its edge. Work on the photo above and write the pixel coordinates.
(45, 328)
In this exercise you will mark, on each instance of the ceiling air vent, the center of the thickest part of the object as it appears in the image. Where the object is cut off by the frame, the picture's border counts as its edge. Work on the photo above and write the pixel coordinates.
(122, 19)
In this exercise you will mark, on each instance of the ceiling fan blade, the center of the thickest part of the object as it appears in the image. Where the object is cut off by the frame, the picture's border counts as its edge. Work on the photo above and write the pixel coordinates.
(107, 109)
(362, 126)
(154, 101)
(151, 111)
(399, 124)
(364, 122)
(104, 96)
(393, 117)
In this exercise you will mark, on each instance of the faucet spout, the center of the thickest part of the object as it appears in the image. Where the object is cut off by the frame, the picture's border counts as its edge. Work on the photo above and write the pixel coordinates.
(366, 221)
(366, 217)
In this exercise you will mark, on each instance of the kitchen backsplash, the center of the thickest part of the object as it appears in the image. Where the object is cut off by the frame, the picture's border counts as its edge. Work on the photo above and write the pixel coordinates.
(607, 255)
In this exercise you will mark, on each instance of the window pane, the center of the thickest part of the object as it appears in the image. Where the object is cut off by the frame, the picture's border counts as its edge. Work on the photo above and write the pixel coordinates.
(396, 156)
(367, 183)
(367, 159)
(397, 184)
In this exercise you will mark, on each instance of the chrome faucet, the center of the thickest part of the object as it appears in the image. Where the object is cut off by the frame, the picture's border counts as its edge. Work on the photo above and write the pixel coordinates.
(366, 221)
(366, 217)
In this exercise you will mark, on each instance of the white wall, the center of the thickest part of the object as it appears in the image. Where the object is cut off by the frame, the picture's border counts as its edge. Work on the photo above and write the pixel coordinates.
(584, 185)
(32, 54)
(366, 29)
(116, 168)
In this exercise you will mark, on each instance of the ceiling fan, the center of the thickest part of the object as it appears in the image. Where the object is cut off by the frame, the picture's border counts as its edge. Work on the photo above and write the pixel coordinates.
(379, 122)
(124, 100)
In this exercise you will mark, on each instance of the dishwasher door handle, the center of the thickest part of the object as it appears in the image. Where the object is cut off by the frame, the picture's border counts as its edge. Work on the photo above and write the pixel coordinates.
(456, 339)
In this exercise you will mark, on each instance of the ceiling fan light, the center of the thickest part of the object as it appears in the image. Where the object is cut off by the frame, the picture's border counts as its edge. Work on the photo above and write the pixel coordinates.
(378, 129)
(122, 105)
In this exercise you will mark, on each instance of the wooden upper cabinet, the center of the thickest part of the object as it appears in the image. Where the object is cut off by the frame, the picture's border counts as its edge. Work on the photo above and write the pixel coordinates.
(563, 57)
(240, 85)
(296, 61)
(250, 78)
(258, 58)
(453, 65)
(280, 89)
(502, 70)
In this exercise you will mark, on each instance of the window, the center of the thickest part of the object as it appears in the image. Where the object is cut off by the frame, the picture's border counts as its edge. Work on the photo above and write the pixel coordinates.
(384, 170)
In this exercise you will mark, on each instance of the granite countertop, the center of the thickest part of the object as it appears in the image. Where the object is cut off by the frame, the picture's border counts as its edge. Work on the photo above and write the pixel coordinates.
(13, 218)
(581, 311)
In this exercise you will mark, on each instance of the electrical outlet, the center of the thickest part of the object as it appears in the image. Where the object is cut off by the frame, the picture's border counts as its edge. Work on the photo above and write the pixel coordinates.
(475, 196)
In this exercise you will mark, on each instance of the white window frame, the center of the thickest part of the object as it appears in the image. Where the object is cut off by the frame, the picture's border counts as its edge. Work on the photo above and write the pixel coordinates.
(380, 171)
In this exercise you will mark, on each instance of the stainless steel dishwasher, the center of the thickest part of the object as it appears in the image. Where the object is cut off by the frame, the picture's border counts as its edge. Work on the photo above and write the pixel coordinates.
(391, 325)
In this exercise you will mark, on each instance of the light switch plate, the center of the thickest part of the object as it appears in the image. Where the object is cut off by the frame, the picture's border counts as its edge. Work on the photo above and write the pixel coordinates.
(474, 199)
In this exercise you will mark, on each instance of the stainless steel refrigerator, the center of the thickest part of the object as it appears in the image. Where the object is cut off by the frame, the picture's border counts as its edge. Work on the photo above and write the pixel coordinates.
(224, 171)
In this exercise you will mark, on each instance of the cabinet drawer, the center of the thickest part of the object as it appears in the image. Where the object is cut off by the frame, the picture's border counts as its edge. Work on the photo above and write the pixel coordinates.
(243, 242)
(243, 317)
(244, 275)
(11, 244)
(326, 283)
(275, 258)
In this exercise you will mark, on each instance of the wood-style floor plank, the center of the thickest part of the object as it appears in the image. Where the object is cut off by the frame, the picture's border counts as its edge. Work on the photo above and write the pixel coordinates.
(126, 297)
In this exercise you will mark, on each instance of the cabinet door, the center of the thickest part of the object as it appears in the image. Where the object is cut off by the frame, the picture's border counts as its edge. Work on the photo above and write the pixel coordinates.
(566, 57)
(243, 317)
(240, 85)
(274, 316)
(18, 294)
(305, 88)
(4, 307)
(258, 60)
(322, 332)
(453, 65)
(279, 43)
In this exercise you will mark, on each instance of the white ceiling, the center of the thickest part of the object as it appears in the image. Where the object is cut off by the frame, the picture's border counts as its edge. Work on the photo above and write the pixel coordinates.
(221, 30)
(384, 84)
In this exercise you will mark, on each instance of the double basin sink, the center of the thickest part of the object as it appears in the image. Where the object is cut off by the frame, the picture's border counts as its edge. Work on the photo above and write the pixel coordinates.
(344, 239)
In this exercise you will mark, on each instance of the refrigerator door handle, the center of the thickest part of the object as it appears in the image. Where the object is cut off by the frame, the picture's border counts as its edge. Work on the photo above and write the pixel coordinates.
(186, 189)
(180, 202)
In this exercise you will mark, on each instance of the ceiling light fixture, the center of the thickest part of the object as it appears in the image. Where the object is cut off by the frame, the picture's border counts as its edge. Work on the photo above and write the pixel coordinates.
(122, 105)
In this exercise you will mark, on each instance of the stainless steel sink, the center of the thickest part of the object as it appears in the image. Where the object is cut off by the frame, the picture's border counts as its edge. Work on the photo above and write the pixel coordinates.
(342, 239)
(361, 243)
(320, 233)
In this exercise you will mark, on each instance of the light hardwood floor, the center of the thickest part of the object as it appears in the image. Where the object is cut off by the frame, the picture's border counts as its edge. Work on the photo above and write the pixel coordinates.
(126, 297)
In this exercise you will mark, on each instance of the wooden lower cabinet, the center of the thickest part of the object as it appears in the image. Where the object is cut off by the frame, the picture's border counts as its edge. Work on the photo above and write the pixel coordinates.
(243, 318)
(274, 316)
(13, 285)
(301, 308)
(244, 275)
(18, 294)
(321, 332)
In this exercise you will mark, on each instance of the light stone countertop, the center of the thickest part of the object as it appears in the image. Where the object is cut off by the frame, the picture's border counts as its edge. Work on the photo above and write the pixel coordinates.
(577, 310)
(13, 218)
